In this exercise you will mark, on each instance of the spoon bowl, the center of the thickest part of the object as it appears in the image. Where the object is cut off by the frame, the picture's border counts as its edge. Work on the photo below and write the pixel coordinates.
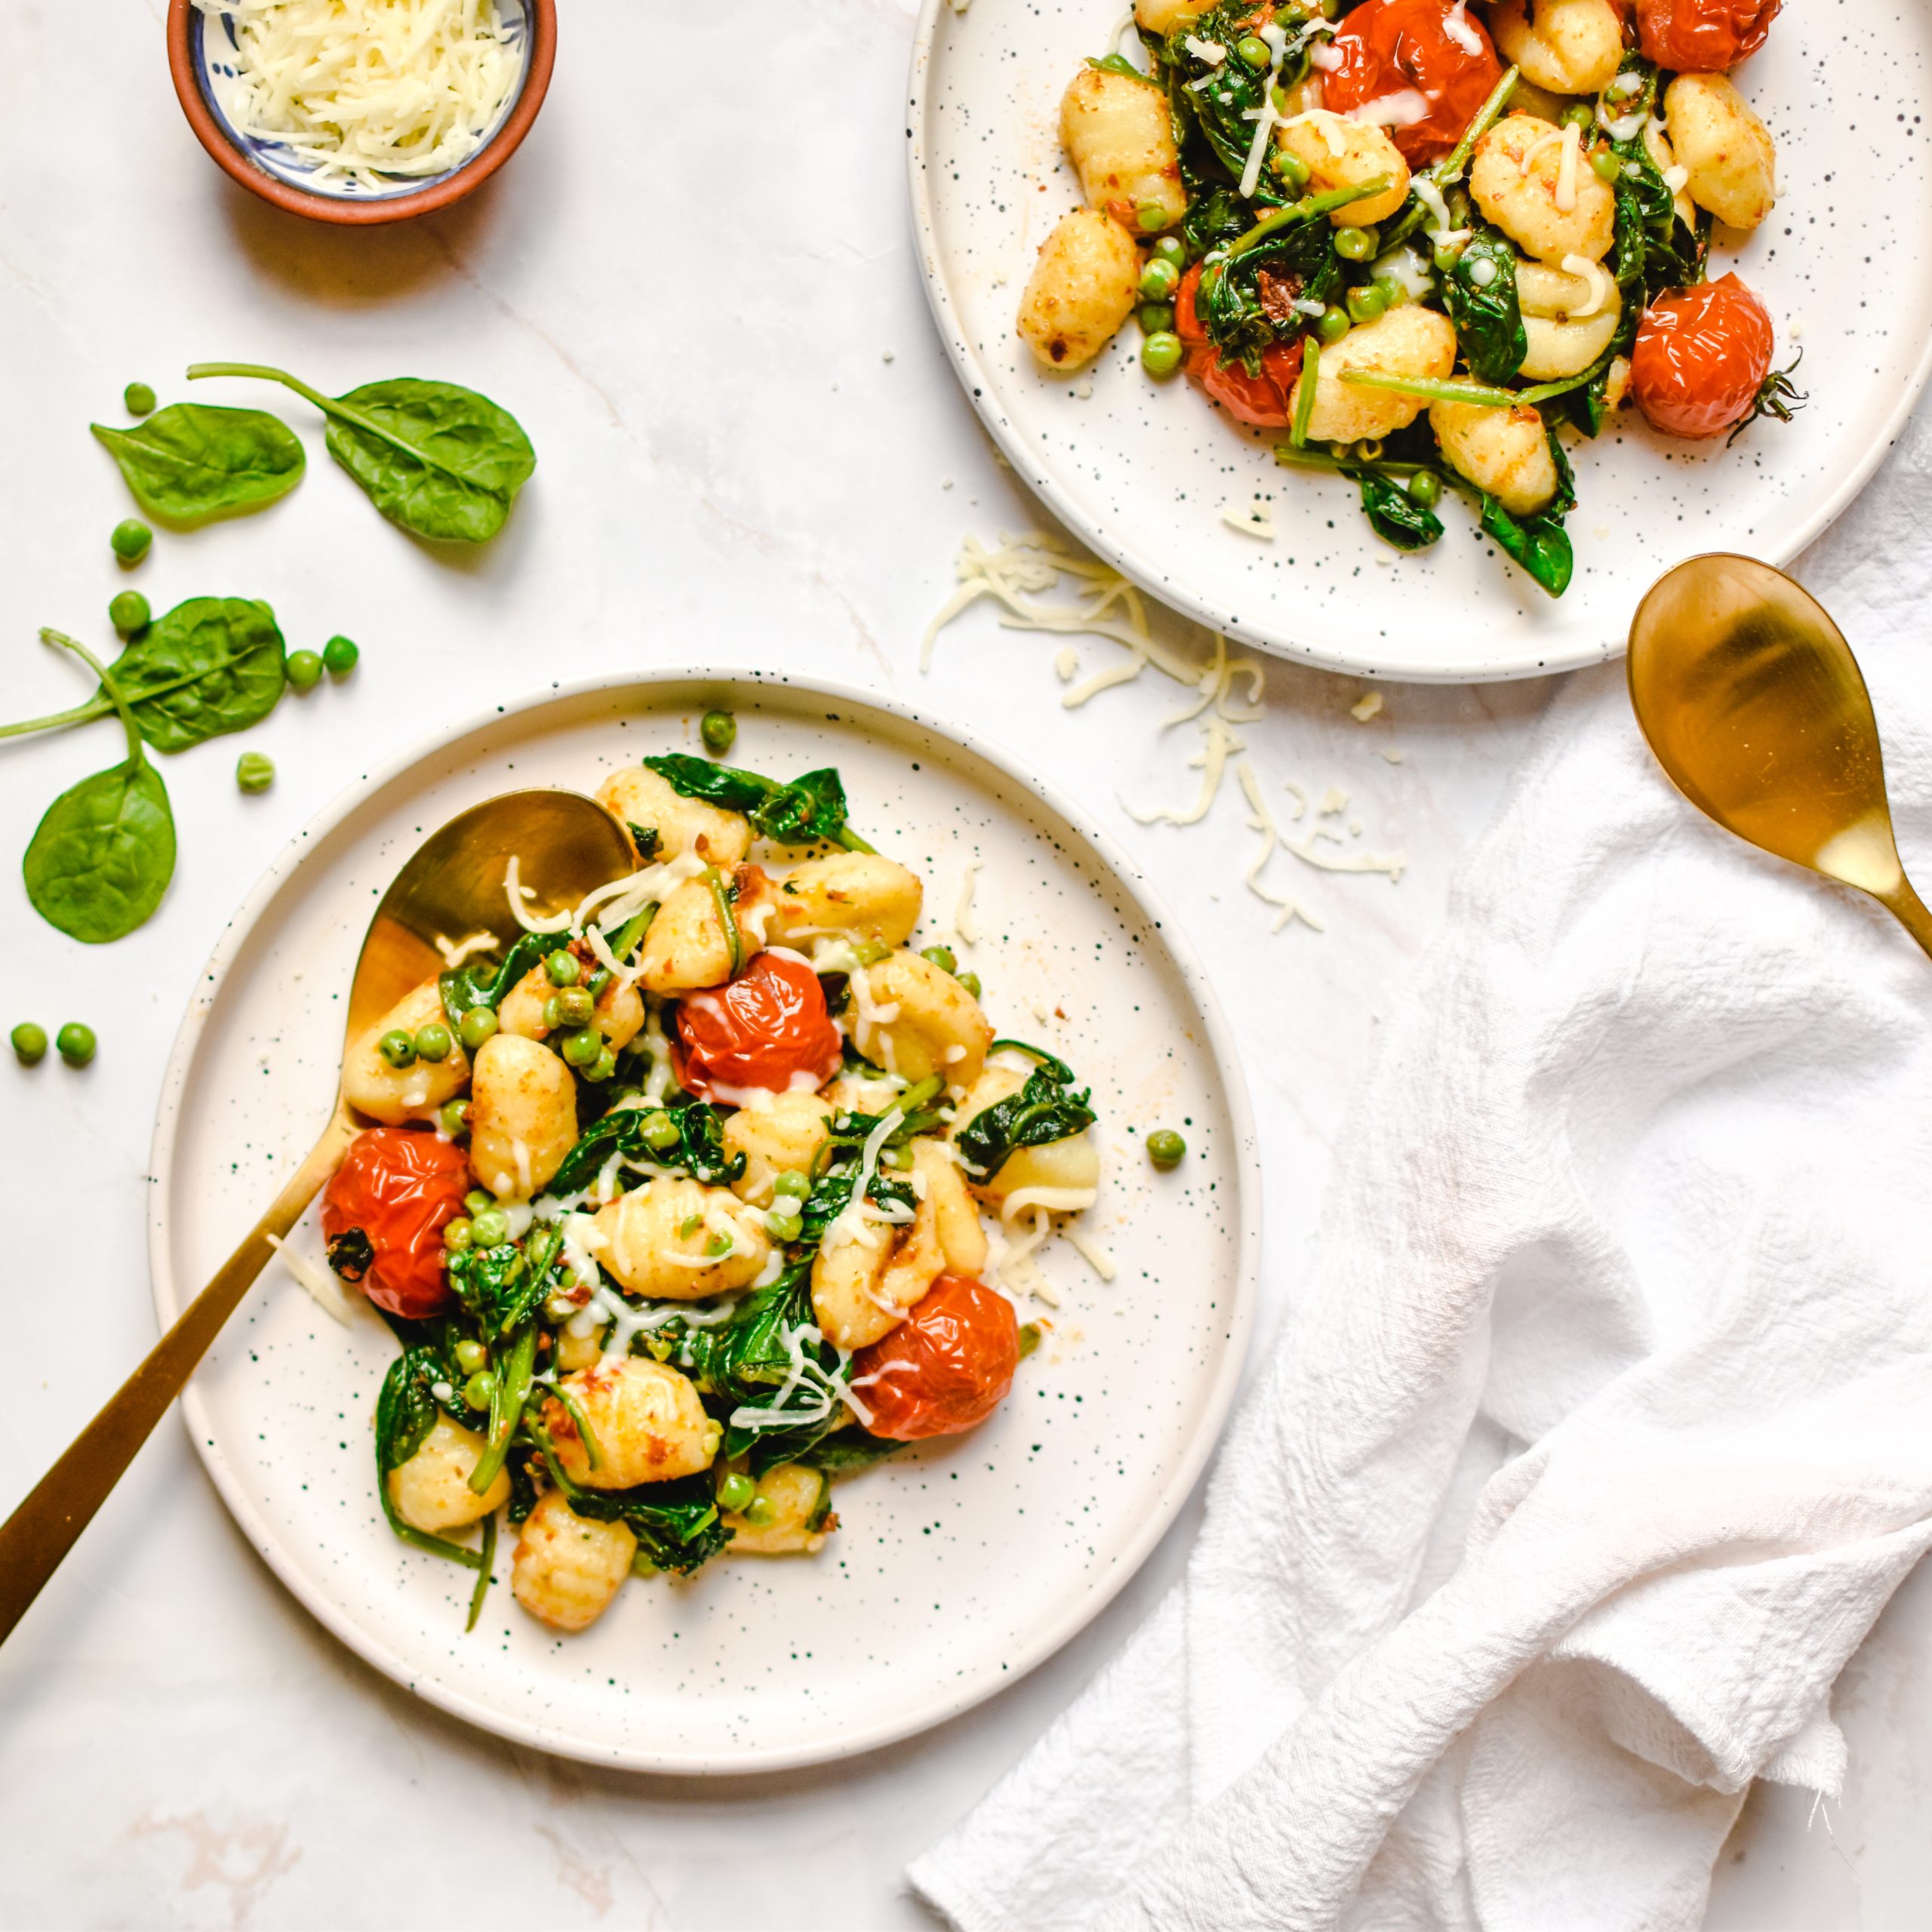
(1755, 707)
(453, 887)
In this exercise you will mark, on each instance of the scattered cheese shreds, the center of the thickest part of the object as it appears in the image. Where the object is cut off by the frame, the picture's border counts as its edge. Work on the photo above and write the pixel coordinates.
(964, 925)
(1332, 801)
(1368, 706)
(1257, 519)
(320, 1283)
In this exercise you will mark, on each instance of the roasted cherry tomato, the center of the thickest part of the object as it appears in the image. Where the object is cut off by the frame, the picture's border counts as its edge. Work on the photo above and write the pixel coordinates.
(1265, 400)
(945, 1367)
(1700, 358)
(768, 1027)
(1703, 36)
(1389, 47)
(384, 1213)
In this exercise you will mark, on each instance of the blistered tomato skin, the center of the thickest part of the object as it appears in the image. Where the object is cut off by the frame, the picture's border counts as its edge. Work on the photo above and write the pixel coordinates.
(764, 1028)
(1386, 46)
(945, 1367)
(1262, 401)
(1700, 356)
(1703, 36)
(383, 1215)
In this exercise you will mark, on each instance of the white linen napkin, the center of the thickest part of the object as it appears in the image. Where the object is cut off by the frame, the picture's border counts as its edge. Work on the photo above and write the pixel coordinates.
(1604, 1429)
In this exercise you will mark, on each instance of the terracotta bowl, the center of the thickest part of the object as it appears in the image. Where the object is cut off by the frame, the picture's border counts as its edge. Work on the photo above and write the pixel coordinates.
(197, 43)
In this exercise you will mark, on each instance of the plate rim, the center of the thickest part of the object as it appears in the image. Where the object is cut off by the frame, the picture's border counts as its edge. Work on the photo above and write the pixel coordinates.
(1125, 874)
(975, 379)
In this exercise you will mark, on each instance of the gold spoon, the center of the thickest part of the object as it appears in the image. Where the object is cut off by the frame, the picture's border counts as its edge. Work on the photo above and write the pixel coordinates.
(1753, 703)
(566, 847)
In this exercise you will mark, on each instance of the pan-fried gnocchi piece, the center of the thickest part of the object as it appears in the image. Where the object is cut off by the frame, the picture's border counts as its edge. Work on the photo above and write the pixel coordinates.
(1566, 46)
(847, 895)
(783, 1134)
(1119, 134)
(677, 1240)
(687, 948)
(567, 1567)
(522, 1116)
(1081, 289)
(1163, 16)
(1341, 153)
(393, 1095)
(1566, 328)
(794, 1505)
(618, 1013)
(638, 798)
(1073, 1163)
(649, 1425)
(1523, 174)
(1504, 451)
(915, 1021)
(1407, 341)
(1730, 166)
(431, 1491)
(862, 1284)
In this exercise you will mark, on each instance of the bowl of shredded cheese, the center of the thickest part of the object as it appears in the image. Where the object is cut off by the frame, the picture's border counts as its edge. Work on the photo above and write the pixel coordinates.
(361, 111)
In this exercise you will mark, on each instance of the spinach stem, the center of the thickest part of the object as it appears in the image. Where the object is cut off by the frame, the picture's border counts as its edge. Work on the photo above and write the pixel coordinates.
(486, 1556)
(593, 1452)
(1450, 167)
(1473, 392)
(720, 898)
(852, 842)
(506, 1406)
(1307, 209)
(1311, 369)
(137, 755)
(81, 714)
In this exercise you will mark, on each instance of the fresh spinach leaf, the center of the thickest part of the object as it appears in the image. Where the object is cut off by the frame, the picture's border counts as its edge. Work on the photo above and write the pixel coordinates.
(211, 664)
(406, 1411)
(101, 858)
(1394, 515)
(809, 809)
(1046, 1108)
(192, 462)
(441, 461)
(1479, 294)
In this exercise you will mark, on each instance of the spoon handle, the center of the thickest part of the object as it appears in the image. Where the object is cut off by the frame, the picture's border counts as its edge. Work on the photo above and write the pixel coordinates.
(39, 1534)
(1906, 905)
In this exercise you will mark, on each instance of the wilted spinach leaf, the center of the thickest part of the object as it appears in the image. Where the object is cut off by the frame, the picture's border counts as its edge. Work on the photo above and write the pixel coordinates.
(699, 1151)
(1046, 1108)
(501, 1285)
(442, 461)
(191, 462)
(810, 808)
(850, 1449)
(406, 1411)
(1394, 515)
(676, 1524)
(1540, 543)
(101, 858)
(478, 982)
(1480, 294)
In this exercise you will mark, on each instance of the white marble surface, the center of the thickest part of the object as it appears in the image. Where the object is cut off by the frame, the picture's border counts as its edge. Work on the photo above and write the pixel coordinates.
(696, 292)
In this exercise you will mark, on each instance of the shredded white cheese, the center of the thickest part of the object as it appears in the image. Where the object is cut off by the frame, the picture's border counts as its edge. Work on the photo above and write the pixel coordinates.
(320, 1281)
(1264, 117)
(456, 952)
(1209, 52)
(1597, 276)
(1253, 519)
(367, 93)
(1455, 25)
(1402, 108)
(964, 925)
(517, 893)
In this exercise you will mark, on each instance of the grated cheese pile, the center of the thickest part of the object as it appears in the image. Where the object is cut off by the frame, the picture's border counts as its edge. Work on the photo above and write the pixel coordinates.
(367, 91)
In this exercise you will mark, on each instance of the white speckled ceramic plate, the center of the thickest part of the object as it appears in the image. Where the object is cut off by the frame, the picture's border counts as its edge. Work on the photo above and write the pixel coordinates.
(959, 1566)
(1142, 471)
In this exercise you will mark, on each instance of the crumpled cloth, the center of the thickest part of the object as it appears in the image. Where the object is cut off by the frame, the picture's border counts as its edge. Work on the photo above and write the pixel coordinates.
(1603, 1429)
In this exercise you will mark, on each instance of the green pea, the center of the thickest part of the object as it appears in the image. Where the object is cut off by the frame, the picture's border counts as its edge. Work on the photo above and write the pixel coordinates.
(457, 1234)
(1161, 353)
(1366, 304)
(254, 771)
(553, 1013)
(477, 1199)
(574, 1005)
(1332, 324)
(1394, 290)
(791, 1186)
(75, 1043)
(470, 1356)
(1579, 114)
(719, 731)
(475, 1026)
(1152, 217)
(129, 612)
(1166, 1148)
(785, 1225)
(1355, 245)
(1605, 165)
(602, 1067)
(433, 1042)
(943, 957)
(598, 981)
(1171, 248)
(970, 982)
(140, 399)
(480, 1390)
(1291, 170)
(581, 1046)
(660, 1130)
(490, 1226)
(1368, 449)
(453, 1119)
(1425, 488)
(1445, 255)
(397, 1048)
(1155, 317)
(130, 540)
(30, 1043)
(1252, 49)
(759, 1512)
(561, 967)
(305, 670)
(339, 656)
(736, 1490)
(1159, 279)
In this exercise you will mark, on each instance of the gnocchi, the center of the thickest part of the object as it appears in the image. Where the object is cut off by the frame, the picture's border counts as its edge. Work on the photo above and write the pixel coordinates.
(675, 826)
(1568, 320)
(1568, 46)
(1529, 180)
(793, 1506)
(1340, 153)
(848, 895)
(915, 1020)
(522, 1116)
(676, 1240)
(1730, 164)
(645, 1419)
(1120, 137)
(393, 1095)
(1505, 452)
(568, 1568)
(1407, 341)
(431, 1491)
(1081, 289)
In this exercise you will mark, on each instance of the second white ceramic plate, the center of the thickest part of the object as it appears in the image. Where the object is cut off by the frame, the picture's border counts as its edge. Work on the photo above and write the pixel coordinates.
(1142, 471)
(959, 1565)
